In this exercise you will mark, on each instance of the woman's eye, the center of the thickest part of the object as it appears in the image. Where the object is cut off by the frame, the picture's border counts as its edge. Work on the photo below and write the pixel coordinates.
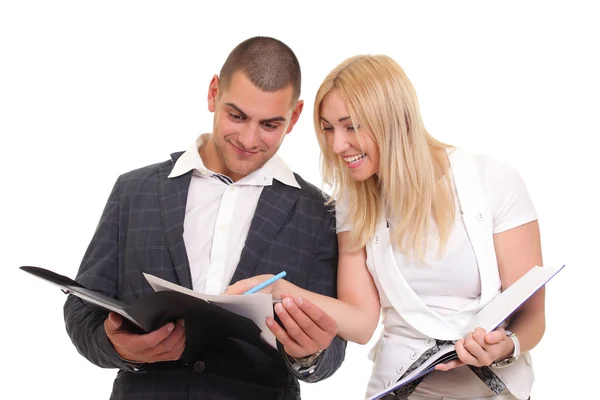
(327, 129)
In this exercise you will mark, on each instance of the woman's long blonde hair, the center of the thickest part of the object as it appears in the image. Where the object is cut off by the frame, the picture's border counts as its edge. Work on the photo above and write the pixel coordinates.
(409, 189)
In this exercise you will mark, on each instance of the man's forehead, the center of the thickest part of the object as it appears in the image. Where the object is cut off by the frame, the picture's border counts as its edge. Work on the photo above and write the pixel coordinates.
(245, 97)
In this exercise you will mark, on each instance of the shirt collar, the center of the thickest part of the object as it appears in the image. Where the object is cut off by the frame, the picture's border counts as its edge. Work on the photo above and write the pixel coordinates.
(275, 168)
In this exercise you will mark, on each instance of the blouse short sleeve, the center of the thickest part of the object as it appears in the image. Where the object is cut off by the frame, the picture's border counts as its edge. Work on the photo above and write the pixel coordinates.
(342, 208)
(508, 195)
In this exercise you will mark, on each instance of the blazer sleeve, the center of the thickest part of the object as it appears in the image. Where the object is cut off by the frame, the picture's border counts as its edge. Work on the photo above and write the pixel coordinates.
(323, 280)
(98, 271)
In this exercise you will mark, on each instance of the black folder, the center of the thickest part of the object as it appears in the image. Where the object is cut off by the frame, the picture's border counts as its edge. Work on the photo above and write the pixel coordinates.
(205, 322)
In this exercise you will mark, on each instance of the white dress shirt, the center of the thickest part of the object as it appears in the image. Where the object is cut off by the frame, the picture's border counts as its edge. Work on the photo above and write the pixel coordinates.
(218, 215)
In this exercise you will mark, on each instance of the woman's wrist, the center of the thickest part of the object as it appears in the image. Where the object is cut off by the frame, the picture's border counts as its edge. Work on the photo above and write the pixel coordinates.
(510, 348)
(513, 355)
(279, 287)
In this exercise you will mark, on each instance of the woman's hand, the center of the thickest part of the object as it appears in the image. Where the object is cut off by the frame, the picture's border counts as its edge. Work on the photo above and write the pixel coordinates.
(242, 286)
(480, 349)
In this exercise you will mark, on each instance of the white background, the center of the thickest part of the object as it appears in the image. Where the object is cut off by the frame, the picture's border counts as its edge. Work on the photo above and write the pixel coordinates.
(89, 90)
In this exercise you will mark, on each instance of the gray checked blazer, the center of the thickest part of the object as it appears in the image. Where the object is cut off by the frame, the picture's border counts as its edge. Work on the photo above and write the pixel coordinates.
(141, 230)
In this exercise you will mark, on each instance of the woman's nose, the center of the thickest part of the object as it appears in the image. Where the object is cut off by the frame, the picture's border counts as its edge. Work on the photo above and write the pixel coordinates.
(340, 143)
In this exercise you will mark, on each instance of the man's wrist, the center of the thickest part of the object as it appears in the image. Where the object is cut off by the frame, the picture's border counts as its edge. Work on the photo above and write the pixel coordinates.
(135, 366)
(308, 361)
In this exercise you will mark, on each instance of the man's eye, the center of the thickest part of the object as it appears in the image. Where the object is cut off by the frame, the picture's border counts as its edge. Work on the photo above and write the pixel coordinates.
(270, 126)
(235, 117)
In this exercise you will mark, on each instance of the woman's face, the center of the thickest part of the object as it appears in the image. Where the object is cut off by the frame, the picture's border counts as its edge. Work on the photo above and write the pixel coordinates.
(357, 148)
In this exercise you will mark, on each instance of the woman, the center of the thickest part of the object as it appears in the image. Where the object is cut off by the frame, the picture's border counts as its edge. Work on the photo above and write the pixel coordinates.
(428, 234)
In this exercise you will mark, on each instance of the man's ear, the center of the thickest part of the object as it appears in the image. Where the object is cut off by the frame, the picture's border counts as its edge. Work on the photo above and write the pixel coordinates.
(295, 115)
(213, 93)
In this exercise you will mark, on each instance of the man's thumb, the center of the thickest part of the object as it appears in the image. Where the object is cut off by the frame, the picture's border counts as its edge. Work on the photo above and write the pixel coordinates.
(115, 319)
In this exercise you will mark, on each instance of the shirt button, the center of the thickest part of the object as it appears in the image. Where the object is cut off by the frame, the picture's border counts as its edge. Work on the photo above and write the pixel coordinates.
(414, 355)
(376, 239)
(480, 217)
(400, 369)
(388, 384)
(214, 274)
(429, 342)
(221, 228)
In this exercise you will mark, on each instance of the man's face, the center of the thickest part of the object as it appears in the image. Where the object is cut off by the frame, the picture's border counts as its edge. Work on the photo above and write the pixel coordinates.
(249, 125)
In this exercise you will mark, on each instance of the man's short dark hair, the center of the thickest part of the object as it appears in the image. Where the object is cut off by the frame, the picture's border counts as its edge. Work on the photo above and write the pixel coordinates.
(268, 63)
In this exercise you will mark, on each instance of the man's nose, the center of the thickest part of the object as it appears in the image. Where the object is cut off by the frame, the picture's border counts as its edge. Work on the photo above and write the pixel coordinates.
(248, 136)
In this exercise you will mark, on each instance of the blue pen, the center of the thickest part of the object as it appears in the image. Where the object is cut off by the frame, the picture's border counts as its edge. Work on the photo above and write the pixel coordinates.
(266, 283)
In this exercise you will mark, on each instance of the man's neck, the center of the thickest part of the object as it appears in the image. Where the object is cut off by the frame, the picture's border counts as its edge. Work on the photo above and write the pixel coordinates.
(212, 160)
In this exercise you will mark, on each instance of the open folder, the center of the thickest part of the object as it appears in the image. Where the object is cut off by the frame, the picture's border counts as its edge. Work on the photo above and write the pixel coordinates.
(488, 318)
(241, 317)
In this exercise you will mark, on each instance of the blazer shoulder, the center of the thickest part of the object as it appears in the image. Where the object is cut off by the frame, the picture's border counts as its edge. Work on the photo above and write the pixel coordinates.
(150, 171)
(145, 179)
(310, 191)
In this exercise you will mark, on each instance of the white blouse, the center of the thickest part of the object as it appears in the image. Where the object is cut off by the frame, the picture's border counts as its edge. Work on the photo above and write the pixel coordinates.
(450, 285)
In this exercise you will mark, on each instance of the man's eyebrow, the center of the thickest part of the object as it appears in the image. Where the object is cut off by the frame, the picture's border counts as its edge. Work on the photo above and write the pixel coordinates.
(237, 109)
(274, 119)
(262, 121)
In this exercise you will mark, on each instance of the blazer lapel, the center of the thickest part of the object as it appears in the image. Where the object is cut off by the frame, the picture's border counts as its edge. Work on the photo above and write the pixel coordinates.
(172, 196)
(274, 205)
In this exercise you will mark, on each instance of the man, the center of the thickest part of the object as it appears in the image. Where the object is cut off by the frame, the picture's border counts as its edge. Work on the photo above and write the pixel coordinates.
(225, 210)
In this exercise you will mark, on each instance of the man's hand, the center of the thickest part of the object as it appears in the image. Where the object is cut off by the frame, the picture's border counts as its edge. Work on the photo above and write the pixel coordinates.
(308, 329)
(164, 344)
(480, 349)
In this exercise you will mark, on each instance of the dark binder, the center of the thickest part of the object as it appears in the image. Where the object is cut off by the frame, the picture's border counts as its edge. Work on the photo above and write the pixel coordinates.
(205, 322)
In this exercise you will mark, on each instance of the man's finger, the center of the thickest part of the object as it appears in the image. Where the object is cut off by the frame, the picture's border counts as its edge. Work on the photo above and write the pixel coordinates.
(323, 320)
(171, 340)
(138, 343)
(115, 319)
(290, 345)
(174, 352)
(312, 330)
(292, 328)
